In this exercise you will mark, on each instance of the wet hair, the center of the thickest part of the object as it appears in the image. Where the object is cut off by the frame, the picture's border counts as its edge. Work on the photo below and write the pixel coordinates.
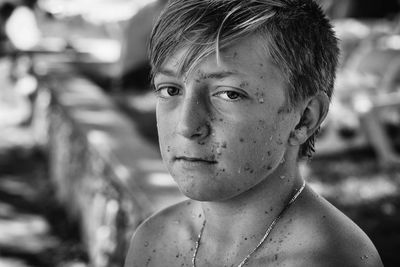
(298, 37)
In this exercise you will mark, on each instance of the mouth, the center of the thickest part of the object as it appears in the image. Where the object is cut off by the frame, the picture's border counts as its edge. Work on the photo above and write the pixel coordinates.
(196, 160)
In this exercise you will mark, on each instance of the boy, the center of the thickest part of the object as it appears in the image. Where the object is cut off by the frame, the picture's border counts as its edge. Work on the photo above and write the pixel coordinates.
(242, 87)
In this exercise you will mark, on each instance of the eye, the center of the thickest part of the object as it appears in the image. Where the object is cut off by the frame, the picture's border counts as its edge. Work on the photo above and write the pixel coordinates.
(230, 95)
(167, 91)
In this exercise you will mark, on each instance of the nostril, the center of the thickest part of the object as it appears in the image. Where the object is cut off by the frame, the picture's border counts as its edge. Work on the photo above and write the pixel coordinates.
(202, 131)
(192, 131)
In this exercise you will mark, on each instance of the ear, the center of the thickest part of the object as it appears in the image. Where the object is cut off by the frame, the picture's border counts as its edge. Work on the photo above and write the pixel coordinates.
(314, 113)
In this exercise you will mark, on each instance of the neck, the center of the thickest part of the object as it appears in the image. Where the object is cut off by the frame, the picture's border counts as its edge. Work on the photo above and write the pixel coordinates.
(248, 215)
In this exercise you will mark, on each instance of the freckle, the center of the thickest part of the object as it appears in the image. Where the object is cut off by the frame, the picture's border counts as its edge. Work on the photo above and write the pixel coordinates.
(276, 257)
(235, 54)
(197, 80)
(223, 145)
(219, 152)
(245, 238)
(281, 110)
(221, 120)
(199, 215)
(269, 168)
(223, 170)
(254, 142)
(271, 209)
(266, 212)
(269, 153)
(243, 84)
(247, 167)
(241, 140)
(238, 190)
(177, 255)
(261, 77)
(261, 65)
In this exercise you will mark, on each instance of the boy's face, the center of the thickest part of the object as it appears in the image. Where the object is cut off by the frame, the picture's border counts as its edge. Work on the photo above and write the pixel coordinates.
(224, 127)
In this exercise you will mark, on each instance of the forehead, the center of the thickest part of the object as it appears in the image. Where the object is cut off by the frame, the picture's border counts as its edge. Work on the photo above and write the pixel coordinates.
(247, 57)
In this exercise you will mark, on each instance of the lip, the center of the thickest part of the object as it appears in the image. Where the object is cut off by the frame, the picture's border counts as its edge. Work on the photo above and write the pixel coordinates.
(195, 160)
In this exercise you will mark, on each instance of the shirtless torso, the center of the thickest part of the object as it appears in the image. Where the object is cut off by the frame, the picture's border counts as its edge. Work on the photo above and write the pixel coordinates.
(311, 233)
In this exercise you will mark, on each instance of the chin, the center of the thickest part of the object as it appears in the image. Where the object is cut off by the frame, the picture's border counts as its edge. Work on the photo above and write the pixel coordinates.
(205, 187)
(205, 194)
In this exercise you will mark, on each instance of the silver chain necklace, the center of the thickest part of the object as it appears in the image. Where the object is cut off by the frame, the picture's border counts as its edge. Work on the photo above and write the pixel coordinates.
(271, 226)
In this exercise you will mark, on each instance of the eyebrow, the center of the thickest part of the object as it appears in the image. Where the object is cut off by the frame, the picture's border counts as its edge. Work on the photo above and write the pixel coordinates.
(204, 75)
(166, 72)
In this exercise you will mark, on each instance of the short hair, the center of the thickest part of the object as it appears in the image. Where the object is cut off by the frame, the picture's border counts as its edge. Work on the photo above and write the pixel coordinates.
(298, 36)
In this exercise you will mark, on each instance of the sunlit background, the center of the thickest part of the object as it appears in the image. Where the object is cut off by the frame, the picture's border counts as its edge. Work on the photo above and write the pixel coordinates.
(79, 160)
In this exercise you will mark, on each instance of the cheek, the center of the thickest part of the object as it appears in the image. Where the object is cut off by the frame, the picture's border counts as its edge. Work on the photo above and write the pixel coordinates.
(245, 160)
(255, 148)
(164, 128)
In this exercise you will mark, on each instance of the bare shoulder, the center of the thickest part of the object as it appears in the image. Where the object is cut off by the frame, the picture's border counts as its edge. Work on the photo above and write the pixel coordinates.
(324, 236)
(165, 238)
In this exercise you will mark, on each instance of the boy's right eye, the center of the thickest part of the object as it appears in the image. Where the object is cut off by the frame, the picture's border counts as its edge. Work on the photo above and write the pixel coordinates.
(167, 91)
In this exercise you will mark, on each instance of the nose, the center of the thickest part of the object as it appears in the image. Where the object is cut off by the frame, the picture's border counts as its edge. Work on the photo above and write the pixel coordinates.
(193, 121)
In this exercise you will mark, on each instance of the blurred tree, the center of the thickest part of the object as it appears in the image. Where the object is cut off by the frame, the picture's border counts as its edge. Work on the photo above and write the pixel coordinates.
(6, 9)
(337, 9)
(135, 64)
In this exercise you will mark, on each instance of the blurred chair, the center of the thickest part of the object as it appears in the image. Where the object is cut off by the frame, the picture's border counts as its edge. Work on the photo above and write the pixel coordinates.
(378, 106)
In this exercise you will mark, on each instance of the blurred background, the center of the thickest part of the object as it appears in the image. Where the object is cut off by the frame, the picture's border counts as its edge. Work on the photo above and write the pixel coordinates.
(79, 160)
